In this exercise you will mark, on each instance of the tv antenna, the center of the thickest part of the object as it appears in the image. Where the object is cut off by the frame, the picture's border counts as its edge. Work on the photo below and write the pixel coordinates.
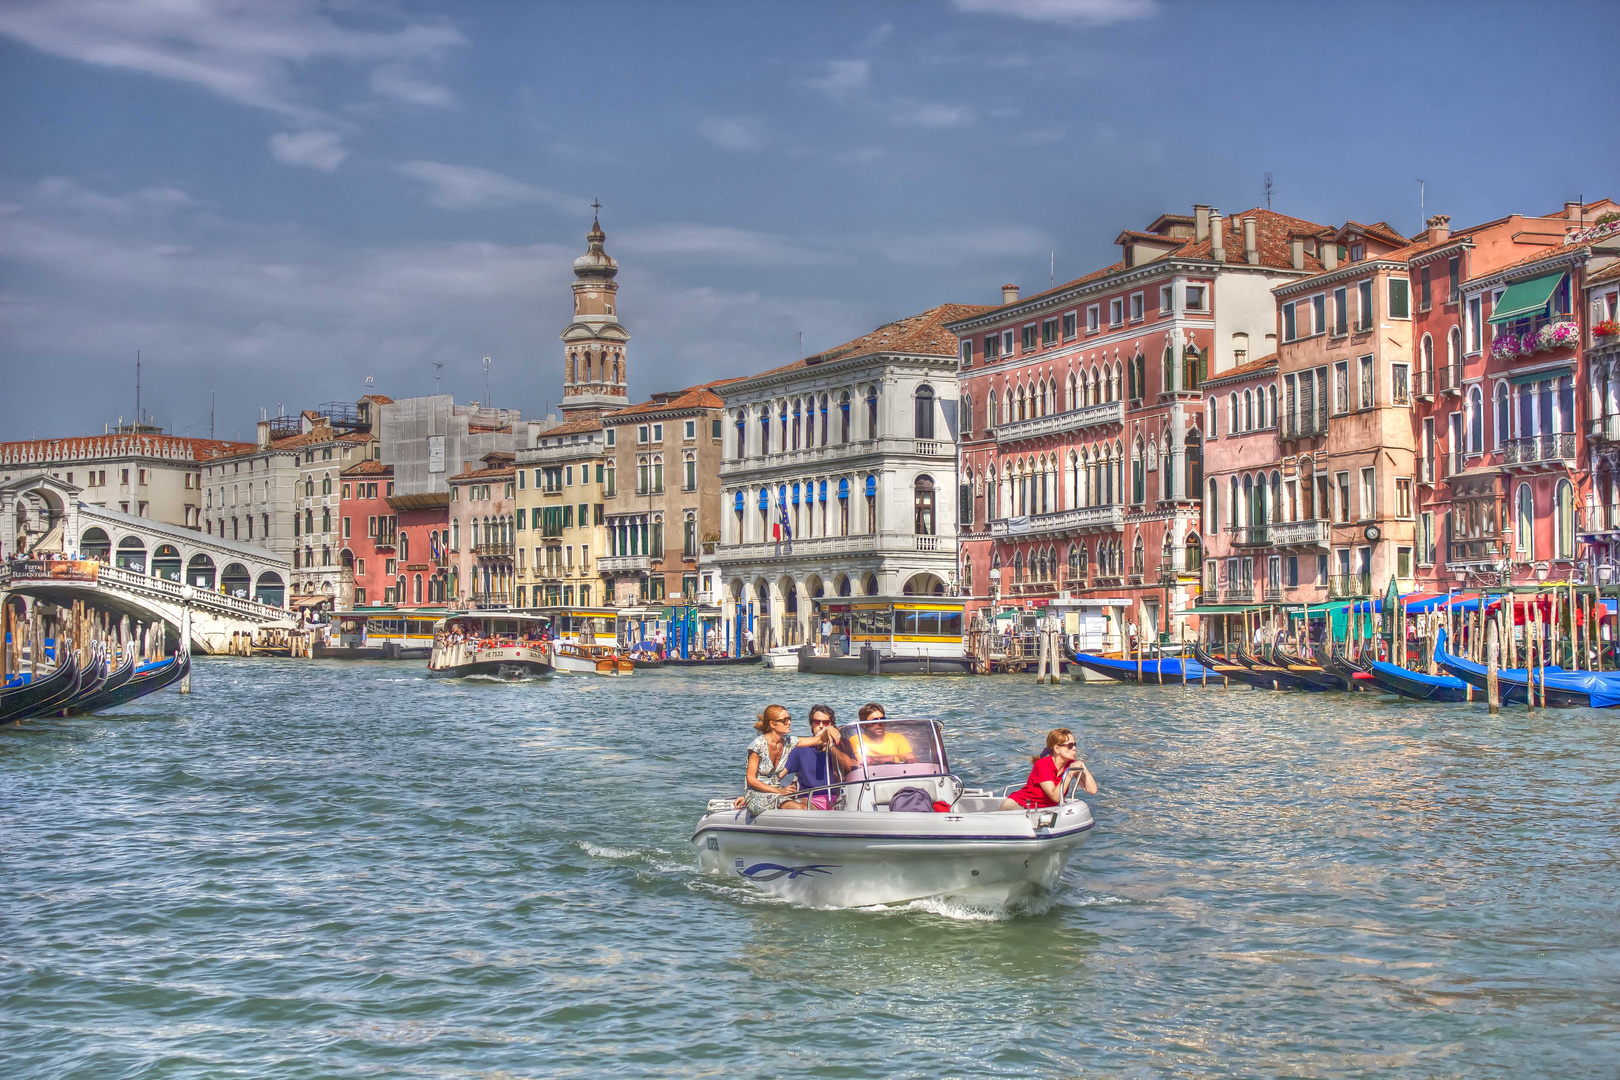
(1423, 198)
(487, 402)
(436, 369)
(1268, 191)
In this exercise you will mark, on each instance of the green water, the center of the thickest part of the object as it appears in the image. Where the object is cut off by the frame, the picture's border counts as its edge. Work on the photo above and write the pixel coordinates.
(319, 869)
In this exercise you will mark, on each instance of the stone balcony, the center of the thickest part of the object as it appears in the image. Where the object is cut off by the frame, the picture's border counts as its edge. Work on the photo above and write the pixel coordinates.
(1079, 519)
(836, 455)
(623, 564)
(1108, 412)
(1312, 532)
(818, 547)
(1535, 451)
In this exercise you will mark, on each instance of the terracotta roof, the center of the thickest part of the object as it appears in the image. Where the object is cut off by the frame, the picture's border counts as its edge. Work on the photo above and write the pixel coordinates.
(1273, 233)
(369, 467)
(574, 427)
(1607, 274)
(505, 473)
(698, 397)
(1546, 254)
(1382, 230)
(922, 334)
(1244, 371)
(381, 399)
(30, 451)
(485, 429)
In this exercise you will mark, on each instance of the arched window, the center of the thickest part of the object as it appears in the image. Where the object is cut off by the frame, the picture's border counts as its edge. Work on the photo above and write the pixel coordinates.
(798, 413)
(1271, 405)
(1169, 372)
(1274, 510)
(1565, 524)
(922, 501)
(843, 417)
(871, 411)
(1248, 410)
(309, 488)
(1425, 359)
(1524, 523)
(1192, 362)
(1212, 512)
(326, 519)
(1453, 351)
(967, 414)
(1234, 416)
(765, 430)
(1195, 465)
(1138, 474)
(326, 484)
(1476, 421)
(923, 418)
(741, 420)
(1139, 556)
(1139, 370)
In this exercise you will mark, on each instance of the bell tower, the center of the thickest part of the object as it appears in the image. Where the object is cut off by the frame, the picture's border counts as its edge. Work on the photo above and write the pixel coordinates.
(595, 377)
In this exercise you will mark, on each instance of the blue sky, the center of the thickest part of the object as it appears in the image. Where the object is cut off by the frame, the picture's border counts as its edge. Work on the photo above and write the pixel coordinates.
(275, 201)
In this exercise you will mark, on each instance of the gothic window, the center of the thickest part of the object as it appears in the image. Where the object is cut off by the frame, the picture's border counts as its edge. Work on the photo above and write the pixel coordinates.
(843, 417)
(871, 412)
(1524, 523)
(1565, 523)
(923, 506)
(924, 418)
(1503, 435)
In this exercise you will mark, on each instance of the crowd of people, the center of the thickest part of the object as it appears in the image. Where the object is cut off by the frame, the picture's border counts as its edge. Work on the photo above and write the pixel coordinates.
(788, 772)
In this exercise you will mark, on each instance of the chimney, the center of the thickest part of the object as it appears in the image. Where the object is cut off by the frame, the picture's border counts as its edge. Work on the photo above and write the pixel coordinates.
(1251, 252)
(1009, 294)
(1439, 228)
(1330, 254)
(1217, 237)
(1572, 211)
(1200, 222)
(1296, 251)
(264, 434)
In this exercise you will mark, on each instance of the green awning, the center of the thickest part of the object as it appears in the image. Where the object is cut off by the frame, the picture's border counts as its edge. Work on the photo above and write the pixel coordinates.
(1543, 375)
(1525, 298)
(1225, 609)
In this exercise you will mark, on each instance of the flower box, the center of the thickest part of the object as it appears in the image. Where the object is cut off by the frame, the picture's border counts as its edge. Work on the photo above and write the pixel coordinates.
(1559, 335)
(1606, 328)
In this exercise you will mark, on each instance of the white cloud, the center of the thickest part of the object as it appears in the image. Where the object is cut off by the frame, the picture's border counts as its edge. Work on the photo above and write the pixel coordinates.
(396, 81)
(721, 243)
(1097, 12)
(879, 35)
(931, 114)
(242, 51)
(466, 187)
(843, 78)
(955, 247)
(317, 149)
(733, 133)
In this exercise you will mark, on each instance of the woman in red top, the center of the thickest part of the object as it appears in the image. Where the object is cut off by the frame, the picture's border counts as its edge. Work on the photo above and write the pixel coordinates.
(1045, 784)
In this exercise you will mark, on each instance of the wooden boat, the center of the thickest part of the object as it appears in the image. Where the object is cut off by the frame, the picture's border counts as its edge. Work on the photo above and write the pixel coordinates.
(1270, 679)
(1426, 687)
(1157, 670)
(1316, 674)
(715, 661)
(21, 700)
(571, 656)
(1554, 687)
(1281, 676)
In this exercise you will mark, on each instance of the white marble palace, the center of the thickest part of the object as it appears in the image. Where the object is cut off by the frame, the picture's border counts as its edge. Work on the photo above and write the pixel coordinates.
(840, 478)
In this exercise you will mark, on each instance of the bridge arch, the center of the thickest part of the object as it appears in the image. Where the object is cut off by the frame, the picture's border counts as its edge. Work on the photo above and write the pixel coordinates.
(200, 571)
(131, 555)
(235, 580)
(166, 562)
(270, 589)
(94, 543)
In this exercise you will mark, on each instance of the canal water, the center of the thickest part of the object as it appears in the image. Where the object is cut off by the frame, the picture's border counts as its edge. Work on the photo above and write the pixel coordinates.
(326, 869)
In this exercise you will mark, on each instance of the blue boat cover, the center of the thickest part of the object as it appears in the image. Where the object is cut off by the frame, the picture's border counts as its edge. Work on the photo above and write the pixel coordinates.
(1602, 688)
(1172, 666)
(1450, 682)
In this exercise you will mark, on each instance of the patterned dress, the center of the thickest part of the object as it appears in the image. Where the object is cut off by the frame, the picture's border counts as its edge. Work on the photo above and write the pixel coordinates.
(773, 775)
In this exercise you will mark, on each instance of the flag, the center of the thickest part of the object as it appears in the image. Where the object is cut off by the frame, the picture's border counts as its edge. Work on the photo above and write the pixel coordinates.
(781, 502)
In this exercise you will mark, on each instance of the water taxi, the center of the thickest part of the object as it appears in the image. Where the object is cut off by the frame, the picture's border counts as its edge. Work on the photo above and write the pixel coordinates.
(585, 640)
(506, 645)
(896, 831)
(887, 635)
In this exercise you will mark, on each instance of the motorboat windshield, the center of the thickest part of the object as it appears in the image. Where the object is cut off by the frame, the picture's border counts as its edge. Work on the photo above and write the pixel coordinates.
(887, 749)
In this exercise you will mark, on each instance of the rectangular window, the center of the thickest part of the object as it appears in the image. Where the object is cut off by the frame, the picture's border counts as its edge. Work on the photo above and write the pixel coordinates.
(1196, 298)
(1093, 318)
(1474, 330)
(345, 527)
(966, 353)
(690, 431)
(658, 433)
(1369, 491)
(1400, 384)
(1116, 312)
(1341, 386)
(1403, 496)
(1165, 299)
(1319, 313)
(1006, 343)
(641, 434)
(1341, 312)
(611, 433)
(1424, 295)
(1069, 320)
(1364, 314)
(568, 475)
(691, 474)
(1049, 332)
(1400, 298)
(992, 346)
(1342, 485)
(714, 431)
(1293, 571)
(609, 490)
(1028, 341)
(1290, 327)
(1137, 302)
(1366, 381)
(1426, 538)
(1403, 562)
(1453, 279)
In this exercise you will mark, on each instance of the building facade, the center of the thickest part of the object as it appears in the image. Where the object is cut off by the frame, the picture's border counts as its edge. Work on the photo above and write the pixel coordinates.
(666, 455)
(838, 478)
(1082, 466)
(421, 558)
(483, 553)
(430, 440)
(371, 531)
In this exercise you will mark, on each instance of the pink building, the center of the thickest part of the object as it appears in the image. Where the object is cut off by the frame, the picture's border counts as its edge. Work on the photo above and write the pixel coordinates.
(1082, 412)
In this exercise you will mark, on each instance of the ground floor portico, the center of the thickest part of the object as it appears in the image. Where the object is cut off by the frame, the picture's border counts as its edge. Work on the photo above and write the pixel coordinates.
(765, 600)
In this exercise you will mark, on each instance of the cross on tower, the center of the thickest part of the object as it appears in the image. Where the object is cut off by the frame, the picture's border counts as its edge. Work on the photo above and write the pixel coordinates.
(596, 207)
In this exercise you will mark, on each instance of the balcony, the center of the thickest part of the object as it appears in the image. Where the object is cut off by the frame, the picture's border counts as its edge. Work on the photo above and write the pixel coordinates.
(1484, 550)
(493, 549)
(1425, 470)
(1108, 412)
(1423, 385)
(1539, 450)
(1450, 378)
(819, 546)
(1080, 519)
(385, 539)
(1606, 428)
(1312, 532)
(1308, 424)
(1273, 593)
(486, 601)
(623, 564)
(1349, 586)
(1249, 536)
(1241, 593)
(1600, 523)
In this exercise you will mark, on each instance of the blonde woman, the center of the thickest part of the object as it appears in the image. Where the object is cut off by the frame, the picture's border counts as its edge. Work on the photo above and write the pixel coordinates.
(769, 785)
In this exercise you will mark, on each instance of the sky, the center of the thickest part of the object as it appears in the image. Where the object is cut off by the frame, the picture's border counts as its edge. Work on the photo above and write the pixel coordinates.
(280, 204)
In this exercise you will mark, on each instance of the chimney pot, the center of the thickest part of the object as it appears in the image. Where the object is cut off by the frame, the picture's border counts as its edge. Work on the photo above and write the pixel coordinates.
(1439, 228)
(1330, 255)
(264, 434)
(1009, 294)
(1200, 222)
(1296, 247)
(1251, 252)
(1572, 211)
(1217, 236)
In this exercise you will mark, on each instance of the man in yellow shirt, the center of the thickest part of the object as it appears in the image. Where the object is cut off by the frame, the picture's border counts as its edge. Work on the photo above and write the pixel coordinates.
(875, 745)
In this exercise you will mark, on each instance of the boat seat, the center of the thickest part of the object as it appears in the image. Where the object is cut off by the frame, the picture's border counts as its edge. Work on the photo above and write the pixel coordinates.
(875, 795)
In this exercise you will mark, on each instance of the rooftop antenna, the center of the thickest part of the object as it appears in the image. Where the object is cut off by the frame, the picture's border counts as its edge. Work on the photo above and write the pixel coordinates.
(137, 388)
(436, 369)
(1423, 201)
(1268, 191)
(210, 414)
(488, 404)
(1051, 270)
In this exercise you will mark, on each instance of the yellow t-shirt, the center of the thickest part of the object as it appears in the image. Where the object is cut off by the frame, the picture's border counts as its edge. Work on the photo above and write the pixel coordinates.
(893, 744)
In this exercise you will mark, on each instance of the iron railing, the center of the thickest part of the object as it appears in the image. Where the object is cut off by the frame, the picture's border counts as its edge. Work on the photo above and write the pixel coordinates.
(1536, 449)
(1349, 585)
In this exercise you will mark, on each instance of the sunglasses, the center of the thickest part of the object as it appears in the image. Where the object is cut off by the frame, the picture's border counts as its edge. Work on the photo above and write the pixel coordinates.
(821, 723)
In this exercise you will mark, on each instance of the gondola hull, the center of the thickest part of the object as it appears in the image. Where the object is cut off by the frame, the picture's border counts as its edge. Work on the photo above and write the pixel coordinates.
(1423, 686)
(1159, 671)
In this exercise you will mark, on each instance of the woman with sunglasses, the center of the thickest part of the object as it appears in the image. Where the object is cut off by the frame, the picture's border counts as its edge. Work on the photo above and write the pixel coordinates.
(770, 785)
(1046, 775)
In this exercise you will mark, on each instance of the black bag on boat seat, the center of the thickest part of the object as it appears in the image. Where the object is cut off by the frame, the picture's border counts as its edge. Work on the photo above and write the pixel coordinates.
(911, 800)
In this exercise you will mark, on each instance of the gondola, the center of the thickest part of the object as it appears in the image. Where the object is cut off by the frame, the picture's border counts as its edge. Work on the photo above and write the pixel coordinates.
(1260, 680)
(1157, 671)
(91, 680)
(717, 661)
(1313, 674)
(28, 699)
(1281, 678)
(117, 679)
(1350, 672)
(1555, 687)
(645, 664)
(1425, 687)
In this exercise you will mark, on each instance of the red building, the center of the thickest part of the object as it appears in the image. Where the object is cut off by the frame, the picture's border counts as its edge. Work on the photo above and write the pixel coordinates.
(370, 532)
(1082, 413)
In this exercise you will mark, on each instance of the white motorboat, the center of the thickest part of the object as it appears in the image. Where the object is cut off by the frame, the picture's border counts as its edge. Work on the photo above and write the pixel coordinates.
(861, 851)
(505, 645)
(782, 658)
(572, 656)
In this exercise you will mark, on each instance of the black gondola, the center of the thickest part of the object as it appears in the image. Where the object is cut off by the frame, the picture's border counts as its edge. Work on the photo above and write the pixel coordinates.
(1240, 673)
(91, 680)
(1317, 676)
(1279, 678)
(44, 696)
(117, 679)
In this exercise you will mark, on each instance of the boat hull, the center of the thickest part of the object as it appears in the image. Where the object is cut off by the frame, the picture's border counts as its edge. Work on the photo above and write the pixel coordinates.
(871, 662)
(781, 660)
(500, 662)
(844, 859)
(1425, 687)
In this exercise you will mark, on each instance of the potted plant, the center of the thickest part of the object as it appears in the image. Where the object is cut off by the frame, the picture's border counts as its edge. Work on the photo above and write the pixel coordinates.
(1505, 346)
(1606, 328)
(1559, 335)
